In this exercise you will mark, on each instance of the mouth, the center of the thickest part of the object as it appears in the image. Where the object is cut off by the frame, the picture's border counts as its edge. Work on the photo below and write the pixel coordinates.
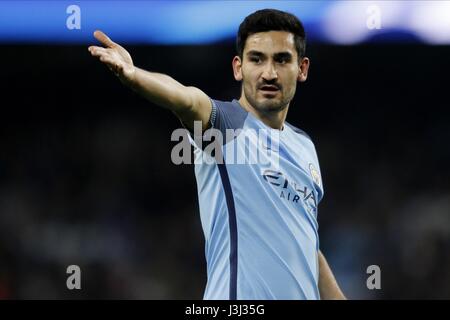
(270, 89)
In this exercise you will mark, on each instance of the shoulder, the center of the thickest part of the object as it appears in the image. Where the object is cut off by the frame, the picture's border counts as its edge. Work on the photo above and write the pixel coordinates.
(300, 136)
(299, 131)
(227, 114)
(231, 108)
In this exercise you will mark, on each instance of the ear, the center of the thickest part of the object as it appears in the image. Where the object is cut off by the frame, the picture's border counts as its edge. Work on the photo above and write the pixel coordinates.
(303, 68)
(237, 68)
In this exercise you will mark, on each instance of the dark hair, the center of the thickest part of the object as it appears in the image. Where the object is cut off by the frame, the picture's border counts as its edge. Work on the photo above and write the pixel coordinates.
(271, 20)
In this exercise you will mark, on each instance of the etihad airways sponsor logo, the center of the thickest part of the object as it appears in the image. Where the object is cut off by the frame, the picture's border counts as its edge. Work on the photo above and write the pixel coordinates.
(290, 190)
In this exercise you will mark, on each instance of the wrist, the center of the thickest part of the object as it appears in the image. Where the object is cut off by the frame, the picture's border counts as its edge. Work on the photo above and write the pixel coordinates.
(128, 77)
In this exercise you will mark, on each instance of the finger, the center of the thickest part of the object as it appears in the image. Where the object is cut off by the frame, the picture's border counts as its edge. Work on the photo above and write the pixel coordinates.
(115, 69)
(98, 51)
(112, 65)
(104, 39)
(90, 48)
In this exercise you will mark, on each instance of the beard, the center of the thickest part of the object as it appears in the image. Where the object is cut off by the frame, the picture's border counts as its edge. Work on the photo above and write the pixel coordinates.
(267, 104)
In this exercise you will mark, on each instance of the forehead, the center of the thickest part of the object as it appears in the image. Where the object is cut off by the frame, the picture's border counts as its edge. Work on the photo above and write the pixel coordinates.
(271, 42)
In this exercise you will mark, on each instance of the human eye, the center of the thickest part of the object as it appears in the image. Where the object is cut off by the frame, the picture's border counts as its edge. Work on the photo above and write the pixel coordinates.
(282, 60)
(255, 59)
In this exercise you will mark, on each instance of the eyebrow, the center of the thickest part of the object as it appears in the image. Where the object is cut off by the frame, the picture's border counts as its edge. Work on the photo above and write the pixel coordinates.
(278, 55)
(283, 55)
(255, 53)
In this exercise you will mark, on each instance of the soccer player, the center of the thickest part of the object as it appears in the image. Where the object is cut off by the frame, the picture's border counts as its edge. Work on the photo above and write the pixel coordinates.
(260, 223)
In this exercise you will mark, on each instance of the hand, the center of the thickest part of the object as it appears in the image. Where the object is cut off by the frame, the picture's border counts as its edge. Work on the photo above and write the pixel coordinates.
(115, 57)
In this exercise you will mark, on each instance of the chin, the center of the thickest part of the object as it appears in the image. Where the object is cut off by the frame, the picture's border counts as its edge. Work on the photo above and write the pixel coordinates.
(270, 105)
(267, 103)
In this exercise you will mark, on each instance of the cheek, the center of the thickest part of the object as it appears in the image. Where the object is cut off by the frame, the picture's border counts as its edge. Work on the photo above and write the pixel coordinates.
(249, 79)
(291, 79)
(250, 73)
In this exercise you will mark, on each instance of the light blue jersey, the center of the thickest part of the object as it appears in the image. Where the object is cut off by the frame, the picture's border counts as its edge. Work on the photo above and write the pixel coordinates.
(260, 221)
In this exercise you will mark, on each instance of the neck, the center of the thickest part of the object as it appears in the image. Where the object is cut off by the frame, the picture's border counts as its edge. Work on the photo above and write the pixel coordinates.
(275, 120)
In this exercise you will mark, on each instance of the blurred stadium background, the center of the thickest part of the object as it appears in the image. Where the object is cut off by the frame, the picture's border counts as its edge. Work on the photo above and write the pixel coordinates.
(85, 170)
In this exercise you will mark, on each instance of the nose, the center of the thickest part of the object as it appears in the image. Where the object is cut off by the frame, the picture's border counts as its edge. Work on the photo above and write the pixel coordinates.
(269, 72)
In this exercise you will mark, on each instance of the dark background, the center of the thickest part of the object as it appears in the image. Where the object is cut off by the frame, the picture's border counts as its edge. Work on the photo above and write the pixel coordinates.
(86, 176)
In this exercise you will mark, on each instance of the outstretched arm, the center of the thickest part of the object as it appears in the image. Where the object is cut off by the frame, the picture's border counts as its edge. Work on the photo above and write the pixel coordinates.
(328, 287)
(188, 103)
